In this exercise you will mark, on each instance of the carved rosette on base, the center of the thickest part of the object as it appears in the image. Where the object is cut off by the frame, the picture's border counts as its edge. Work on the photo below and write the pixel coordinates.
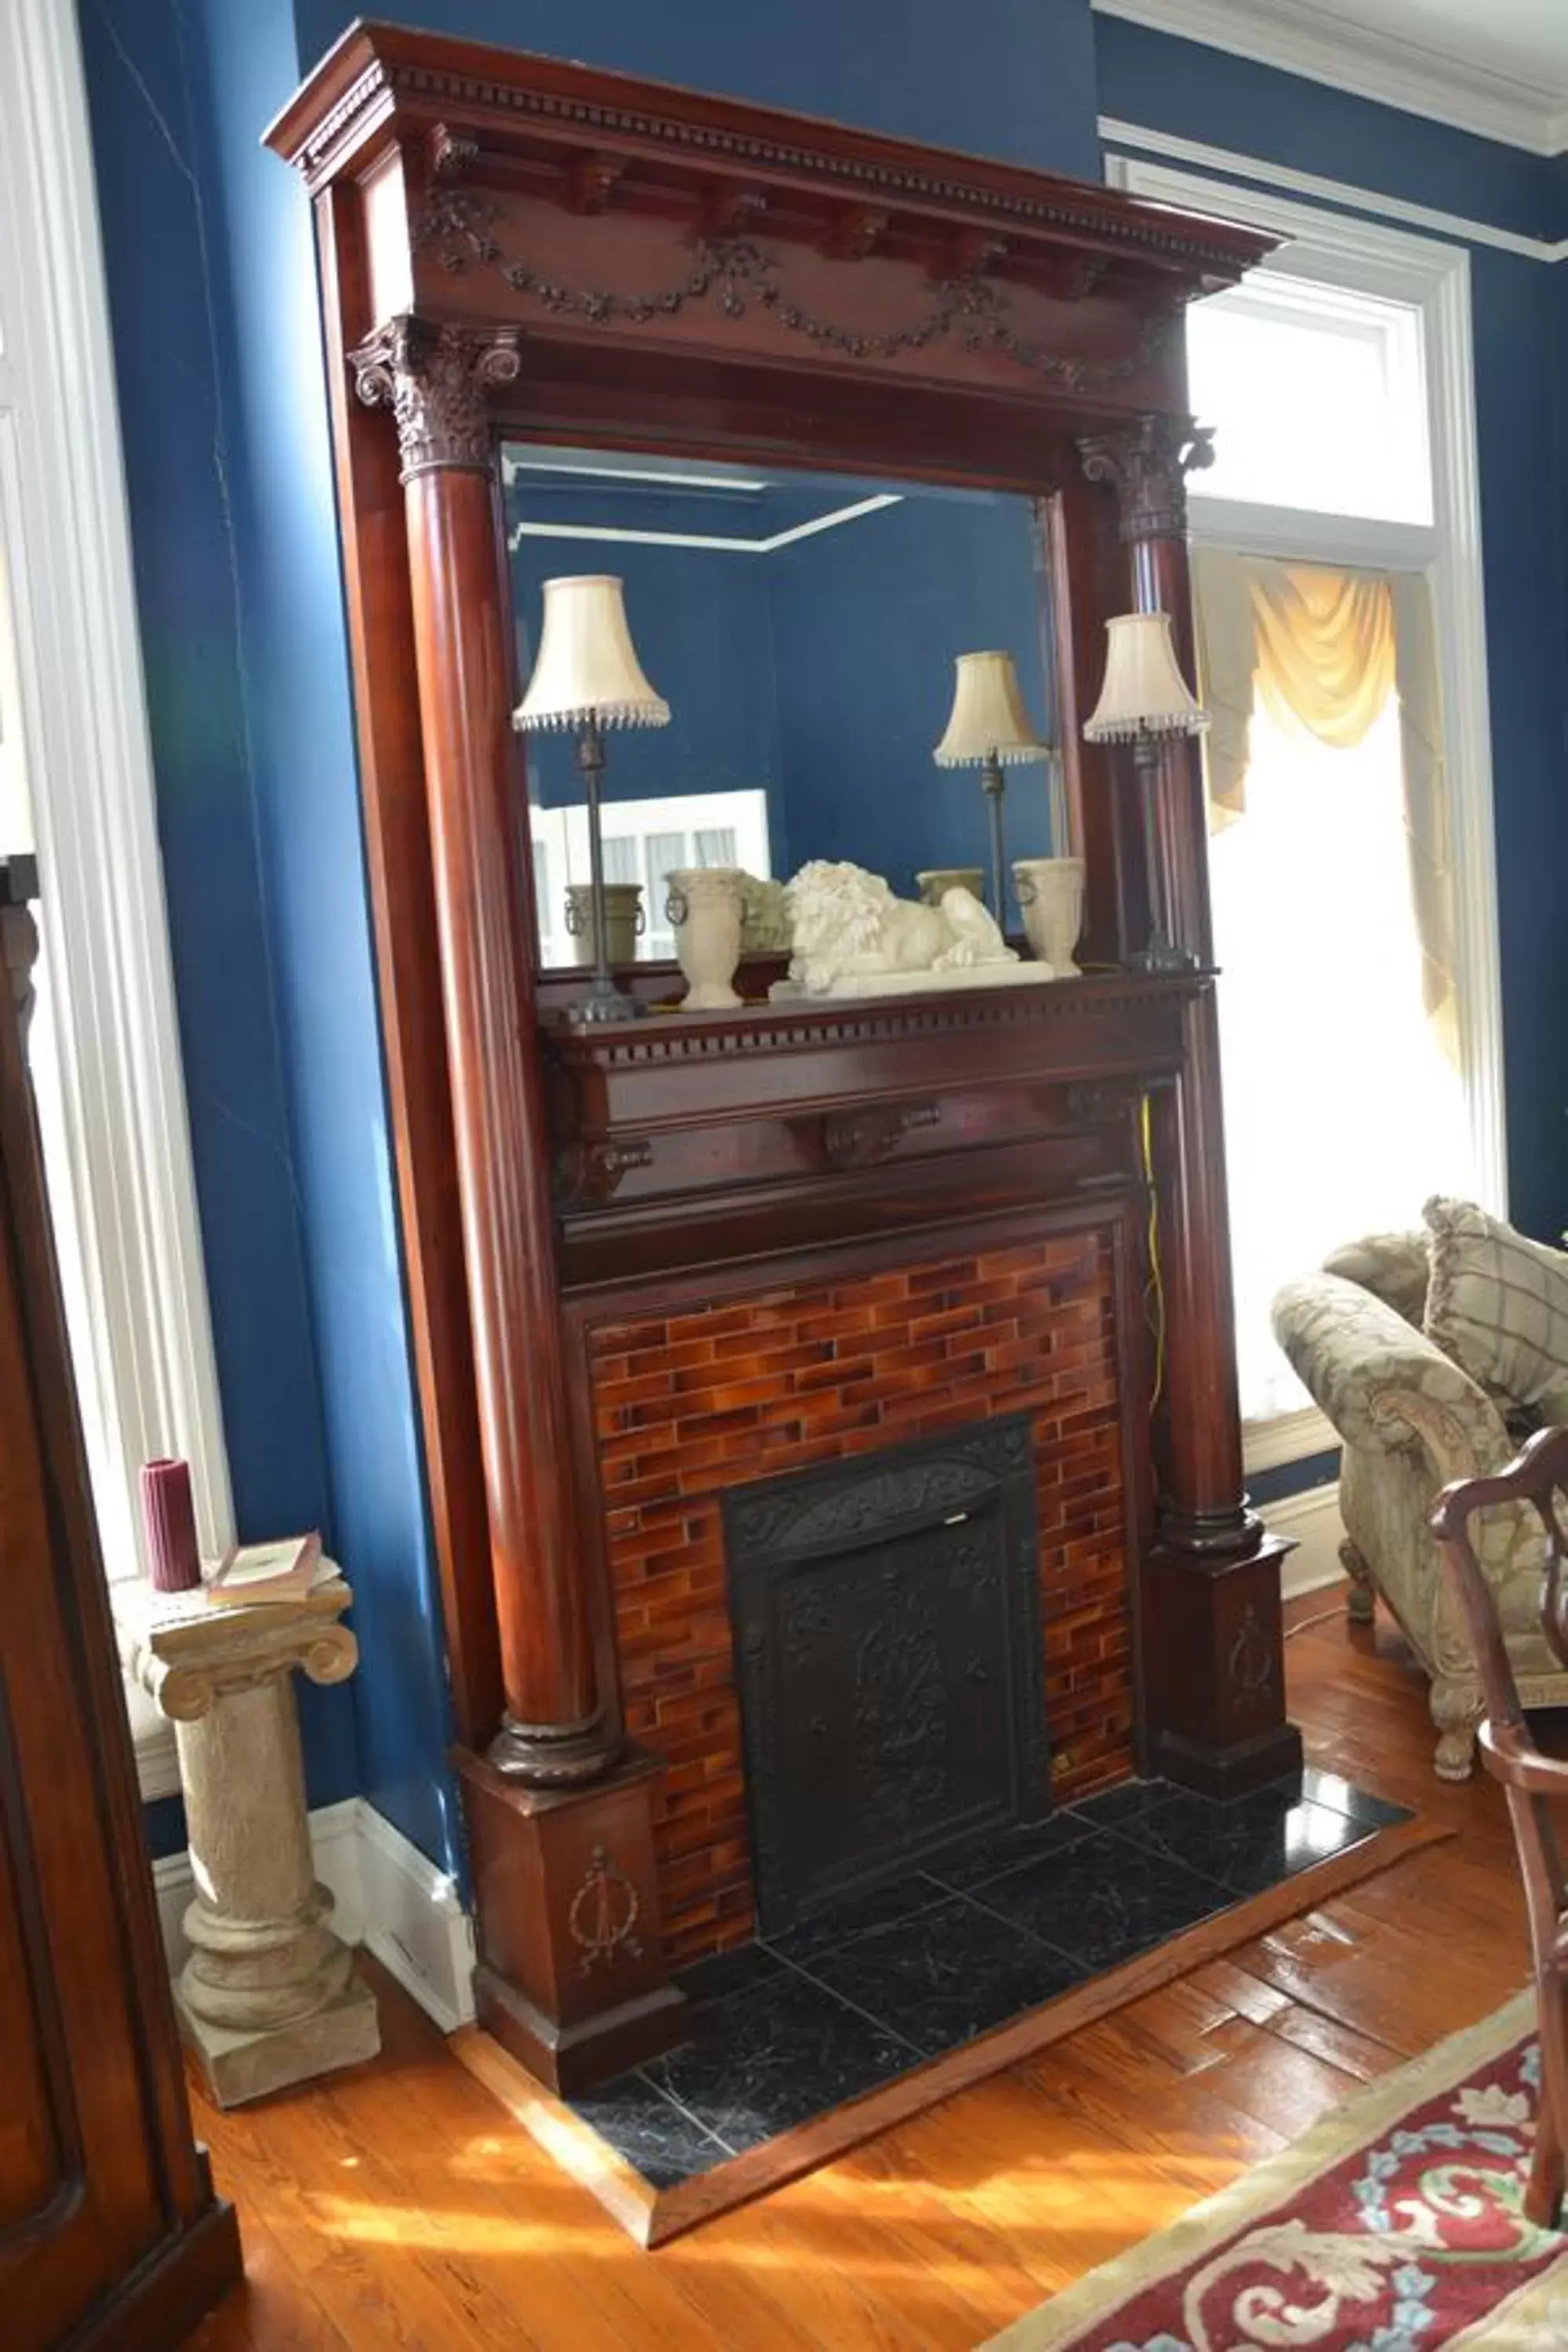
(269, 1996)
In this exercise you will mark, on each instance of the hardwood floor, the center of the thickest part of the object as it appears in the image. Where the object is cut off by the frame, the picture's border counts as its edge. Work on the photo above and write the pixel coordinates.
(398, 2206)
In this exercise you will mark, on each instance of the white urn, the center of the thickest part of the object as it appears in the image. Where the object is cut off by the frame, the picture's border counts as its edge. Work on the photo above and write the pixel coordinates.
(1050, 892)
(706, 910)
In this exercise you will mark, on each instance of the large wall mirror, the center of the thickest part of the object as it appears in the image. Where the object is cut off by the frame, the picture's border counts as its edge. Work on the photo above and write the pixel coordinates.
(804, 630)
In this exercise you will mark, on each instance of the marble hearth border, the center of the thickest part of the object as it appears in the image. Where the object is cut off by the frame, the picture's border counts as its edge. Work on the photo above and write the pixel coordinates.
(654, 2216)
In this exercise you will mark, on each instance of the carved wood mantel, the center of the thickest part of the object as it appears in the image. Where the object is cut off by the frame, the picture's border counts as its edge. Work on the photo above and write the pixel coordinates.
(512, 244)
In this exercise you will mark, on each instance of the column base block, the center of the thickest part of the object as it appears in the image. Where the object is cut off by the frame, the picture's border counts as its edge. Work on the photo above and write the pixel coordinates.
(236, 2066)
(1228, 1771)
(1214, 1673)
(571, 1977)
(573, 2058)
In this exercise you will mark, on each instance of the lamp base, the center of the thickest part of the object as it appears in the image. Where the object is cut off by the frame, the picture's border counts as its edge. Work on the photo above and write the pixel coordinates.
(613, 1007)
(1162, 955)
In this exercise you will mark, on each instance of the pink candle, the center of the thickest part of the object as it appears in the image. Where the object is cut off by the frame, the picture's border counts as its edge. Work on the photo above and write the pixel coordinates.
(169, 1517)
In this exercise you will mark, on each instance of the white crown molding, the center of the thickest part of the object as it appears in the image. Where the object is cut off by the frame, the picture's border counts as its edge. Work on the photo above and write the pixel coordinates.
(1134, 138)
(387, 1896)
(628, 534)
(1348, 57)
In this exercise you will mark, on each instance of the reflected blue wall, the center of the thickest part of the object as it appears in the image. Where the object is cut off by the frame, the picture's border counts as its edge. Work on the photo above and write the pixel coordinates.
(867, 622)
(700, 623)
(822, 669)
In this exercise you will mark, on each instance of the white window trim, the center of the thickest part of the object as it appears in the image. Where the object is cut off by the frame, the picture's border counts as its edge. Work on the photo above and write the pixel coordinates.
(1435, 277)
(129, 1176)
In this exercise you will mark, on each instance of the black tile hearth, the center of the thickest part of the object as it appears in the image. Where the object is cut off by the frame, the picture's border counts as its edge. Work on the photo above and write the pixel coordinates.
(771, 2056)
(1246, 1845)
(658, 2139)
(1105, 1899)
(952, 1973)
(726, 1972)
(900, 1900)
(786, 2029)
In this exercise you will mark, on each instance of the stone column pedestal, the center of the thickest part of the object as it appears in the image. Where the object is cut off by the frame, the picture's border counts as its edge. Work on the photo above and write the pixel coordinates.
(269, 1996)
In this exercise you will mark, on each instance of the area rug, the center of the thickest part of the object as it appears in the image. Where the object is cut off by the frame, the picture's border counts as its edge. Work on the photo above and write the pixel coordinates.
(1395, 2225)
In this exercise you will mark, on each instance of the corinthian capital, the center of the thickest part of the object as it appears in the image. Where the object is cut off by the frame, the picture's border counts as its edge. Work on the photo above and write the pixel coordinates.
(1147, 461)
(435, 380)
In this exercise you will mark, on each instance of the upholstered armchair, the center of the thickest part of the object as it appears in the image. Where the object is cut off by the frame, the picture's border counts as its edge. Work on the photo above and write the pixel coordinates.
(1411, 1422)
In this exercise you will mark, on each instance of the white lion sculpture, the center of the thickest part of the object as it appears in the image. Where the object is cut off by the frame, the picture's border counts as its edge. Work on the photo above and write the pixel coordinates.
(848, 927)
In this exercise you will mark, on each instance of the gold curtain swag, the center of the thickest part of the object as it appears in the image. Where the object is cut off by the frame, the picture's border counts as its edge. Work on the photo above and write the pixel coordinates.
(1322, 648)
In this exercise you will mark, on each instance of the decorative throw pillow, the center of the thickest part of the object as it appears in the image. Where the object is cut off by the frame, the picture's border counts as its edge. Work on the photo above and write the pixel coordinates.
(1497, 1303)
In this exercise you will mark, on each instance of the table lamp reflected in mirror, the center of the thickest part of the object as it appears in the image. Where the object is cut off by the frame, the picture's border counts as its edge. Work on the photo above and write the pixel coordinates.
(588, 677)
(988, 728)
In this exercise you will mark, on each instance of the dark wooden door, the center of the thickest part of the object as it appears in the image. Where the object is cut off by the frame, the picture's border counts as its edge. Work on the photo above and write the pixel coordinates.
(110, 2234)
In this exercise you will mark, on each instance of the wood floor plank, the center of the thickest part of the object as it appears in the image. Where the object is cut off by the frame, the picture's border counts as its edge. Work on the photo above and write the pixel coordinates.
(399, 2206)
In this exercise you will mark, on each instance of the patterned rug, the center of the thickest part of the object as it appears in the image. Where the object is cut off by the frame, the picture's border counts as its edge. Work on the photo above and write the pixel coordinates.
(1395, 2225)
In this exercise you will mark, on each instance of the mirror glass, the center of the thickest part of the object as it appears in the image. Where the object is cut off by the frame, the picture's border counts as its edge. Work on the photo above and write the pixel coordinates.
(803, 629)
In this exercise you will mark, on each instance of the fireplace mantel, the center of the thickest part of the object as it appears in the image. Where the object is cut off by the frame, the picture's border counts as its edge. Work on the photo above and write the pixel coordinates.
(521, 245)
(778, 1123)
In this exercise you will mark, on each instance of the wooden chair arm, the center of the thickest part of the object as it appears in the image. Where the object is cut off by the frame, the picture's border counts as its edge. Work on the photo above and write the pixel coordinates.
(1510, 1757)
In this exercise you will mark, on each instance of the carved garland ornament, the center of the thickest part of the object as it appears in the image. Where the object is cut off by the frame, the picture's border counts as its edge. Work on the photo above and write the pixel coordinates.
(736, 273)
(1147, 462)
(435, 380)
(603, 1916)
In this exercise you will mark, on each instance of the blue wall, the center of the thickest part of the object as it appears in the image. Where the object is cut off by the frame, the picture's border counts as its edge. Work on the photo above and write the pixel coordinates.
(218, 360)
(1520, 315)
(1008, 78)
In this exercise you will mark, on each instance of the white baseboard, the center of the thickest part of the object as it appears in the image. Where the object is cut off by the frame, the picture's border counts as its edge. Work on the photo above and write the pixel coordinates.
(1312, 1522)
(389, 1897)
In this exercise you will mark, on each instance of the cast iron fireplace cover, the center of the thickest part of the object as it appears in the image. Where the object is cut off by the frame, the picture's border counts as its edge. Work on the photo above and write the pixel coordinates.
(890, 1661)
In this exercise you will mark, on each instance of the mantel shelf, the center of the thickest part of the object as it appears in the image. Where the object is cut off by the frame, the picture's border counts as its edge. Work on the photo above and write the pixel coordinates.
(675, 1069)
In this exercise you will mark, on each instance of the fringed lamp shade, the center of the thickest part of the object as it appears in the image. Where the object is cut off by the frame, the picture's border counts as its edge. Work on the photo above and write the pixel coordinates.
(988, 719)
(587, 669)
(1144, 692)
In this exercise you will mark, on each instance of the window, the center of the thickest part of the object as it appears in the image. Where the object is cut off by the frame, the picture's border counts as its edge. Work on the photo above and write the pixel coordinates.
(1336, 575)
(78, 787)
(644, 841)
(1318, 397)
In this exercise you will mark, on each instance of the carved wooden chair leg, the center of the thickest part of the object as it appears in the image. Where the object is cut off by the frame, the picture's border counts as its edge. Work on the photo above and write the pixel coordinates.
(1457, 1709)
(1543, 2191)
(1361, 1599)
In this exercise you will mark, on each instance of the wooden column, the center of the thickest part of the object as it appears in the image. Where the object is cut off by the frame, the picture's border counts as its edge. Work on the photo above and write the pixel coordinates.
(1215, 1635)
(533, 1850)
(555, 1727)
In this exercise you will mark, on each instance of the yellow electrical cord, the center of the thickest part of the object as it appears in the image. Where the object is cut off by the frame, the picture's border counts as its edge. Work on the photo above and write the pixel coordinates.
(1154, 1297)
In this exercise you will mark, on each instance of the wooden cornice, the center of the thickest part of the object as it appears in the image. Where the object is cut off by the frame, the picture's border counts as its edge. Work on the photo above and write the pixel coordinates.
(495, 112)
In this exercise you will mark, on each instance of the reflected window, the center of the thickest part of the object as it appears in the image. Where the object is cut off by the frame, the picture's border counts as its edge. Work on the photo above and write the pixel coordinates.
(645, 841)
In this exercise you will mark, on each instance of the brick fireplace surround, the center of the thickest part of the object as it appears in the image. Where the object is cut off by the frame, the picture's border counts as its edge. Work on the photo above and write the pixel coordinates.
(700, 1397)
